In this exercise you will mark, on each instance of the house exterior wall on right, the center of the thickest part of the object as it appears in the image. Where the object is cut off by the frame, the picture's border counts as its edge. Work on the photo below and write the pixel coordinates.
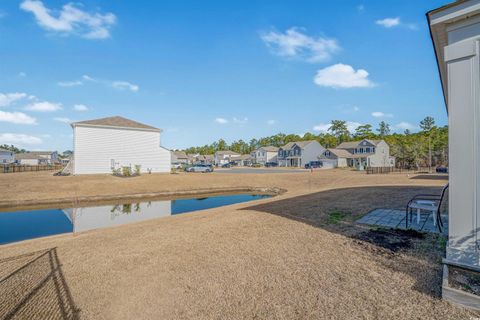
(455, 31)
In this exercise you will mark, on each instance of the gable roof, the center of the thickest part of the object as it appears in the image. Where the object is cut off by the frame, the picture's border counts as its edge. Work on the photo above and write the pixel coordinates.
(115, 122)
(227, 152)
(354, 144)
(269, 149)
(180, 154)
(242, 157)
(27, 155)
(340, 153)
(301, 144)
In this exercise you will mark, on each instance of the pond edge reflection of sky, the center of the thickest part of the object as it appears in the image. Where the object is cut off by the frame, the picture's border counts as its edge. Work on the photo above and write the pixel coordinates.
(23, 225)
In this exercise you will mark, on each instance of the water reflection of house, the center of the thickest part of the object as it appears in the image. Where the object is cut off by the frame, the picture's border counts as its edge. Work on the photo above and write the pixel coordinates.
(89, 218)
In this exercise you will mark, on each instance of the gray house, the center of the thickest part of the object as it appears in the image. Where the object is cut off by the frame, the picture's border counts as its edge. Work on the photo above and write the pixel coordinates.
(358, 154)
(455, 32)
(298, 154)
(6, 156)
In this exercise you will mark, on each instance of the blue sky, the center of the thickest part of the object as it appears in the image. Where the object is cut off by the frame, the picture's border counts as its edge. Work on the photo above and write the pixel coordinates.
(204, 70)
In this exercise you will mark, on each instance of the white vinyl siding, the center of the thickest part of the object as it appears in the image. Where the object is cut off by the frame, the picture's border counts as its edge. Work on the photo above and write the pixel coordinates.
(96, 148)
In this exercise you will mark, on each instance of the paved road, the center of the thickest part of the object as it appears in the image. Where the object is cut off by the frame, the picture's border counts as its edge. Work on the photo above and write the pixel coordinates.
(262, 170)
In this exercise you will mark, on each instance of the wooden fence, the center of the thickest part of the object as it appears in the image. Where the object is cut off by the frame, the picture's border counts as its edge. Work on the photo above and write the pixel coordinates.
(385, 170)
(12, 168)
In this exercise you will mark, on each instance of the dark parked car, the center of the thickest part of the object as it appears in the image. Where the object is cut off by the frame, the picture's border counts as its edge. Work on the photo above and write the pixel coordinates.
(271, 164)
(442, 169)
(313, 164)
(226, 165)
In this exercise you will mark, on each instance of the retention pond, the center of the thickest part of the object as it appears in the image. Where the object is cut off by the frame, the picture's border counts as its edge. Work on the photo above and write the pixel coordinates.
(23, 225)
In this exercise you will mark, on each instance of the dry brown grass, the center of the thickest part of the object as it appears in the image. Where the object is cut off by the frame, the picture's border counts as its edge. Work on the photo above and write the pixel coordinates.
(279, 258)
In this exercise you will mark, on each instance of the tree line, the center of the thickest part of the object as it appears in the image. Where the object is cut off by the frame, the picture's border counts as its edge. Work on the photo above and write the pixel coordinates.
(427, 147)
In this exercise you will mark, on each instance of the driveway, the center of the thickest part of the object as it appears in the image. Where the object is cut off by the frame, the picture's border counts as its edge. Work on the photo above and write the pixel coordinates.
(259, 170)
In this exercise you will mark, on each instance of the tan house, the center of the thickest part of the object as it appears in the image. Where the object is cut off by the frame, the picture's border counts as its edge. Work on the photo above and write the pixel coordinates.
(358, 154)
(243, 160)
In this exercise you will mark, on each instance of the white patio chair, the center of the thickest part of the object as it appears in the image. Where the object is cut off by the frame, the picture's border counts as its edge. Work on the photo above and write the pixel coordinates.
(430, 203)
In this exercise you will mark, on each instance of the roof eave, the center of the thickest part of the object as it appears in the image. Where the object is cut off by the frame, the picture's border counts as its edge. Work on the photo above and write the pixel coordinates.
(78, 124)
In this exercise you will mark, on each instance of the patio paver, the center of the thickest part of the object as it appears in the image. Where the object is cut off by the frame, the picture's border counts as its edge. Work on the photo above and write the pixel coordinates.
(392, 218)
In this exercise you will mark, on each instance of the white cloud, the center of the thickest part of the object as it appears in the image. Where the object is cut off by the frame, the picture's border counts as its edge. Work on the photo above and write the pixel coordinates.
(62, 119)
(17, 118)
(124, 85)
(88, 78)
(388, 22)
(322, 127)
(44, 106)
(21, 74)
(71, 20)
(80, 107)
(295, 44)
(19, 139)
(379, 114)
(8, 98)
(221, 120)
(240, 120)
(271, 122)
(70, 83)
(342, 76)
(405, 126)
(361, 8)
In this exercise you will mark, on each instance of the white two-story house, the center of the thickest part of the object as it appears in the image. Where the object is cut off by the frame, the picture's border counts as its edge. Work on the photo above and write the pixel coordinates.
(358, 154)
(263, 155)
(224, 157)
(6, 156)
(298, 154)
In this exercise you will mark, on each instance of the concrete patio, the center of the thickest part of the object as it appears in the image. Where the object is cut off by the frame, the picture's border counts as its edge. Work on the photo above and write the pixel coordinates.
(393, 218)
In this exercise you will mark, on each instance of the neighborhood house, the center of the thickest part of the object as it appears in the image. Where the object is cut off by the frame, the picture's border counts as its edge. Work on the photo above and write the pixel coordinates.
(179, 158)
(358, 154)
(265, 154)
(298, 154)
(103, 145)
(243, 160)
(6, 156)
(35, 158)
(224, 157)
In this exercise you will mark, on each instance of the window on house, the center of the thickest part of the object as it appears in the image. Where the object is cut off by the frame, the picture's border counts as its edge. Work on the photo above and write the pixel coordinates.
(361, 150)
(368, 149)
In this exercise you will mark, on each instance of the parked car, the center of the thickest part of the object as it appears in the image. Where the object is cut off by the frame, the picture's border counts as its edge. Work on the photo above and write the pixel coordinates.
(176, 165)
(256, 165)
(442, 169)
(226, 165)
(313, 164)
(199, 168)
(271, 164)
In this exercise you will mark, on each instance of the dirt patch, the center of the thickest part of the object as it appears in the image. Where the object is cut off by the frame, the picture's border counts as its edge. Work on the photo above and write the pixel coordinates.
(464, 280)
(392, 240)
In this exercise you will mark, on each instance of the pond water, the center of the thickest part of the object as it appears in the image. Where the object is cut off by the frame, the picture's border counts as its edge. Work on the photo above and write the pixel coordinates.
(22, 225)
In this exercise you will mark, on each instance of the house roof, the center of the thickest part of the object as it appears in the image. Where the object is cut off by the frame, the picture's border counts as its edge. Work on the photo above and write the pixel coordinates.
(42, 152)
(242, 157)
(269, 149)
(180, 154)
(117, 122)
(228, 152)
(340, 153)
(301, 144)
(354, 144)
(27, 155)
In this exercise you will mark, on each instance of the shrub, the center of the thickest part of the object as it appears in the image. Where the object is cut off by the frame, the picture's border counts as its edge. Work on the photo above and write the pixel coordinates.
(137, 169)
(126, 171)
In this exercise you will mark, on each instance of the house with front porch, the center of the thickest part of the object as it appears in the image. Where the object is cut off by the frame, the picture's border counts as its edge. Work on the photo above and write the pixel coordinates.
(299, 153)
(263, 155)
(358, 154)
